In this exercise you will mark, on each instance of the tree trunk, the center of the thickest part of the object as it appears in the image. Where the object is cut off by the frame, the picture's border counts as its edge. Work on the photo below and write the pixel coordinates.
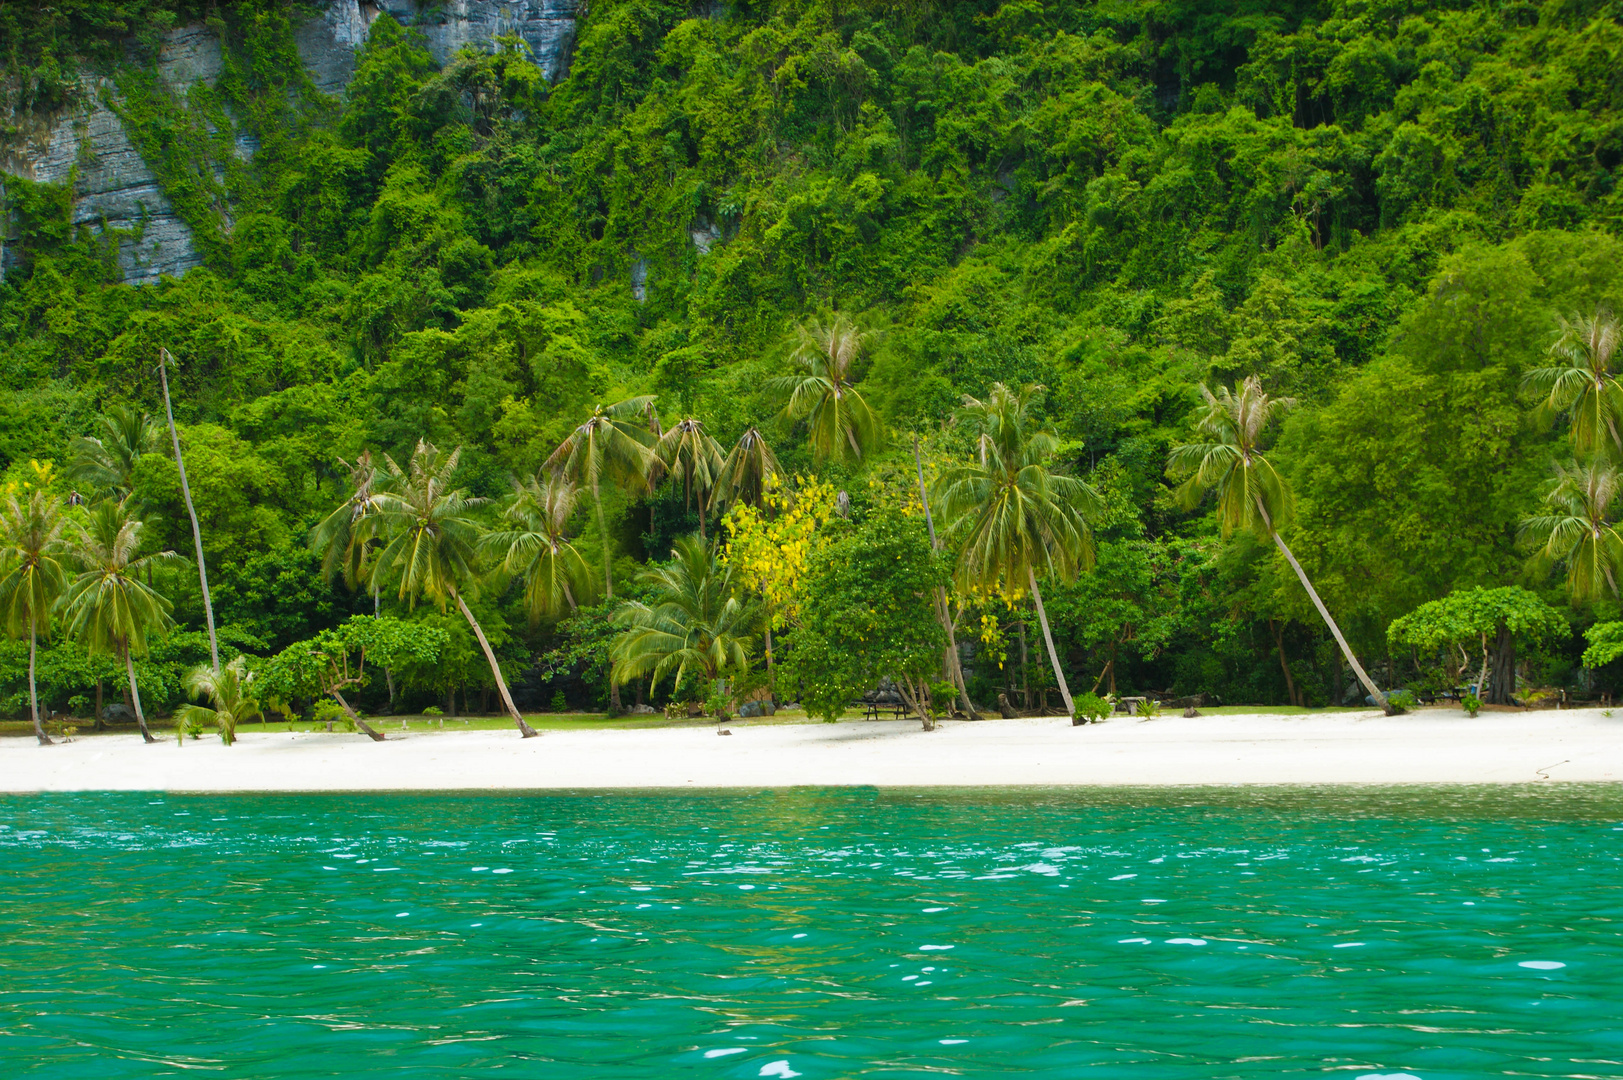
(1048, 637)
(388, 678)
(98, 704)
(377, 736)
(1482, 691)
(135, 696)
(913, 703)
(955, 667)
(524, 729)
(33, 693)
(1504, 669)
(1025, 669)
(197, 533)
(1284, 665)
(1346, 650)
(608, 594)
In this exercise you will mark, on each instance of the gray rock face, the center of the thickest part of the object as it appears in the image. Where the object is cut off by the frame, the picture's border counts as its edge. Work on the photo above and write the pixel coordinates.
(115, 190)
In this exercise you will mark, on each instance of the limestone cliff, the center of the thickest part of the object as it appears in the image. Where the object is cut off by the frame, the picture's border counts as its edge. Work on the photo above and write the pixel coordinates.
(115, 189)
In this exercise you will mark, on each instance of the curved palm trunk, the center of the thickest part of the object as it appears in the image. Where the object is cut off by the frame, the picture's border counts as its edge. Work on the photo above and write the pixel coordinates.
(524, 729)
(375, 735)
(197, 533)
(33, 694)
(1358, 669)
(608, 594)
(1048, 637)
(135, 697)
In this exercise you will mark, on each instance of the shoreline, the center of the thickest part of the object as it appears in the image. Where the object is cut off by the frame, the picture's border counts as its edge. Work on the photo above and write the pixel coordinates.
(1438, 746)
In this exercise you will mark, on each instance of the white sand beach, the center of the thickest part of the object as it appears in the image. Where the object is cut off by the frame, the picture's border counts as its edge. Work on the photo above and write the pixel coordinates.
(1433, 746)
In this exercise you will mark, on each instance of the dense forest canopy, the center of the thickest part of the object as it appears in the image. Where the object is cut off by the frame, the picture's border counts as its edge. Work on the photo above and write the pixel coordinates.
(1381, 208)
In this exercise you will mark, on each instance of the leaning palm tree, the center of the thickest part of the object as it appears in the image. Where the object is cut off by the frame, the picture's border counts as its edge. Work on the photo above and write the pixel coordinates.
(1011, 516)
(430, 544)
(688, 454)
(537, 546)
(108, 608)
(696, 625)
(231, 691)
(840, 424)
(1582, 380)
(164, 360)
(749, 471)
(1251, 495)
(32, 576)
(104, 463)
(1579, 530)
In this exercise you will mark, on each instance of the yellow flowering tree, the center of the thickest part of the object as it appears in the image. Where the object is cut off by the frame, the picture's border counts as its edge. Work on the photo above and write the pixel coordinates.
(770, 548)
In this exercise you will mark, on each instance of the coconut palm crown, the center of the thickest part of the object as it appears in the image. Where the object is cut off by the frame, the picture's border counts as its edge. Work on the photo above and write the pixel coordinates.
(1579, 530)
(1582, 381)
(342, 537)
(1251, 495)
(748, 472)
(105, 462)
(537, 547)
(840, 423)
(1009, 514)
(688, 454)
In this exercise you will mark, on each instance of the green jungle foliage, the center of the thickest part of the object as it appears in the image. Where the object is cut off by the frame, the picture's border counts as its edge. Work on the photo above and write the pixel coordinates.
(1380, 207)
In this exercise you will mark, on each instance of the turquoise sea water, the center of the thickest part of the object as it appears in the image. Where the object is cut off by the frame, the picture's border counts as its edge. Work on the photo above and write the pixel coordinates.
(827, 933)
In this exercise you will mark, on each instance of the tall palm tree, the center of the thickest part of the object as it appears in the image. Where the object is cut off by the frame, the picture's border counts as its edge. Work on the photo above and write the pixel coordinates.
(1579, 529)
(32, 576)
(164, 360)
(1014, 518)
(108, 608)
(431, 543)
(696, 625)
(1251, 495)
(104, 464)
(612, 444)
(840, 424)
(231, 691)
(688, 454)
(537, 546)
(748, 472)
(1582, 380)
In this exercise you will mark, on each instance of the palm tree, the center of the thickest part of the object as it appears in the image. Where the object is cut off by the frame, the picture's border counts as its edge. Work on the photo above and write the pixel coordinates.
(1012, 517)
(32, 576)
(105, 463)
(430, 543)
(690, 456)
(231, 690)
(840, 423)
(749, 471)
(1579, 530)
(343, 537)
(696, 626)
(1251, 495)
(108, 608)
(1582, 380)
(612, 444)
(538, 547)
(164, 359)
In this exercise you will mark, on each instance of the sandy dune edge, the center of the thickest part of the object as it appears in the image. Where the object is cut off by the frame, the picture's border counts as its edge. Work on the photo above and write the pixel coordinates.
(1429, 747)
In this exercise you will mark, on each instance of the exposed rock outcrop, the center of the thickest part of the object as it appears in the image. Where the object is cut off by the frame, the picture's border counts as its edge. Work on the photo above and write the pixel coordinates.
(113, 188)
